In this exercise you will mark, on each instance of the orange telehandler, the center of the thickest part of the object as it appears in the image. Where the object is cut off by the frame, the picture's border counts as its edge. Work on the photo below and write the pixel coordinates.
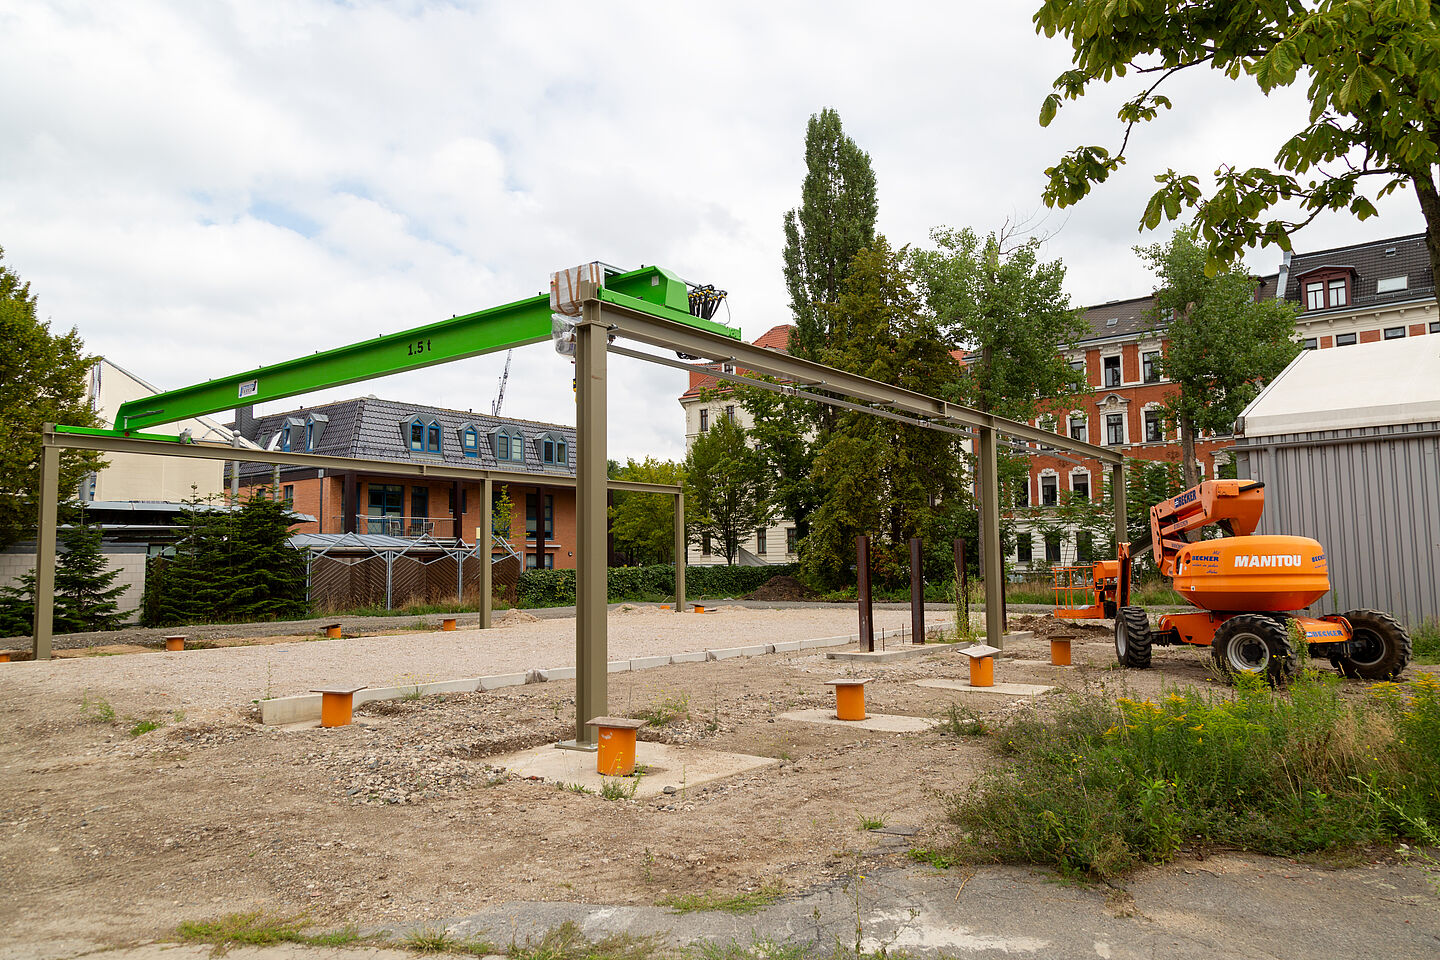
(1247, 589)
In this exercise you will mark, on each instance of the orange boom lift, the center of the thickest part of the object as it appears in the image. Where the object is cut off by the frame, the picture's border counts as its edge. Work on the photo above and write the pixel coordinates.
(1247, 588)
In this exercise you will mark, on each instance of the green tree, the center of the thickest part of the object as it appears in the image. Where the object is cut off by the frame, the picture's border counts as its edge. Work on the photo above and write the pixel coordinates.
(726, 488)
(502, 514)
(1223, 344)
(85, 597)
(1373, 74)
(643, 524)
(835, 219)
(877, 476)
(779, 432)
(42, 380)
(1010, 310)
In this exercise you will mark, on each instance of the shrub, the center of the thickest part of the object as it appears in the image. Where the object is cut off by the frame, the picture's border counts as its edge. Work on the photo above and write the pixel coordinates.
(1105, 785)
(556, 588)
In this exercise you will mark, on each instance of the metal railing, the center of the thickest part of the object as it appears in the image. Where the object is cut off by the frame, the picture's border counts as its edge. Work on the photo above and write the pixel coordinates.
(1074, 584)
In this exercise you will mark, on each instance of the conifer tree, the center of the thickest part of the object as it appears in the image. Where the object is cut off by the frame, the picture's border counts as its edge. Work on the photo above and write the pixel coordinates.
(85, 597)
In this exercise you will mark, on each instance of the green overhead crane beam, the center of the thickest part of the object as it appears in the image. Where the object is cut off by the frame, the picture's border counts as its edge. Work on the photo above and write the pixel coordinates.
(650, 289)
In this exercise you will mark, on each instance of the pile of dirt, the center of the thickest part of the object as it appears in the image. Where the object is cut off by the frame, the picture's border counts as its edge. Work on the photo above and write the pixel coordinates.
(513, 615)
(1048, 626)
(781, 588)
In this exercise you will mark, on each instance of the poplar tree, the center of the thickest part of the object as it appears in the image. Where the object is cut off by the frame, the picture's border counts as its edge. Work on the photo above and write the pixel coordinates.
(835, 220)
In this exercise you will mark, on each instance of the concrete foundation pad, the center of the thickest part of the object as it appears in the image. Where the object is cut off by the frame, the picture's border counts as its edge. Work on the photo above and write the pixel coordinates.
(876, 722)
(894, 653)
(663, 766)
(1004, 689)
(649, 663)
(695, 656)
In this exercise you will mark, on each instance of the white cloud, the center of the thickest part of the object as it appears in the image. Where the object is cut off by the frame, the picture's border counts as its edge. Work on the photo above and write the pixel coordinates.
(206, 188)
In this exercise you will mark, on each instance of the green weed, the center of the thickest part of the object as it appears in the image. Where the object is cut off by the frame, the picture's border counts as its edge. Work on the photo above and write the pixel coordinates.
(1425, 640)
(667, 709)
(1105, 785)
(713, 901)
(97, 710)
(576, 788)
(428, 940)
(871, 823)
(619, 788)
(566, 942)
(941, 861)
(258, 928)
(962, 722)
(144, 727)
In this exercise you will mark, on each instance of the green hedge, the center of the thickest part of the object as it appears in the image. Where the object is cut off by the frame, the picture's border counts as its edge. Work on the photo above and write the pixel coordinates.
(556, 588)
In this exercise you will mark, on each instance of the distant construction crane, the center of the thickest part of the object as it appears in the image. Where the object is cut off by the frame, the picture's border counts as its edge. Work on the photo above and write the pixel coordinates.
(504, 378)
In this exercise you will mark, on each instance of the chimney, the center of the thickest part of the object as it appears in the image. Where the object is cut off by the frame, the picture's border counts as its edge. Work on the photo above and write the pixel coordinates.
(245, 423)
(1284, 280)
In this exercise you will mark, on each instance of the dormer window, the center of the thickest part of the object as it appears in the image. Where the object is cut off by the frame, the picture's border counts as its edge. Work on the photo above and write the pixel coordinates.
(1327, 287)
(285, 438)
(469, 441)
(314, 429)
(502, 446)
(417, 435)
(432, 437)
(309, 435)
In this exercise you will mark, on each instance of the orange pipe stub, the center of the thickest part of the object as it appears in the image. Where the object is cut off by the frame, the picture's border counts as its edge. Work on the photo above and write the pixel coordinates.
(850, 697)
(332, 630)
(1060, 651)
(5, 657)
(982, 672)
(174, 643)
(337, 706)
(448, 623)
(615, 753)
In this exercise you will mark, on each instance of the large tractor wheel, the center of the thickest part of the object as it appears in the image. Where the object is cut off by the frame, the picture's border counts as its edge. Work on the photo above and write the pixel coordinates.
(1381, 645)
(1251, 643)
(1132, 637)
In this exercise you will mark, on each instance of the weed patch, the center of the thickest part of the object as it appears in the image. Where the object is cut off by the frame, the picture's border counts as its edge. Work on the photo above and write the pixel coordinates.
(962, 722)
(97, 710)
(566, 942)
(143, 727)
(1425, 640)
(740, 903)
(258, 928)
(1105, 785)
(667, 709)
(438, 941)
(619, 788)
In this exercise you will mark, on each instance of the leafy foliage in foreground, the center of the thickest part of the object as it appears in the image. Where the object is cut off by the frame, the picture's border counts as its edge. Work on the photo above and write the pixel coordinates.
(1106, 785)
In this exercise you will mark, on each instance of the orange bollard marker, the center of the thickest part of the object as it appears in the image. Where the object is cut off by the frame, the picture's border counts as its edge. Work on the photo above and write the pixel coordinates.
(448, 623)
(616, 754)
(174, 643)
(332, 630)
(337, 705)
(5, 656)
(850, 697)
(1060, 651)
(982, 664)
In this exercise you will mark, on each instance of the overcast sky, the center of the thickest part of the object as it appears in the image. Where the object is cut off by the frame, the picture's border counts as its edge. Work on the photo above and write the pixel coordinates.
(203, 187)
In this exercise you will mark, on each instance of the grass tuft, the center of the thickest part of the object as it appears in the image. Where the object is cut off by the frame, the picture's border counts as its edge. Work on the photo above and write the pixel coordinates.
(871, 823)
(1107, 784)
(962, 722)
(430, 940)
(667, 709)
(145, 726)
(257, 928)
(1426, 642)
(620, 788)
(740, 903)
(566, 942)
(97, 710)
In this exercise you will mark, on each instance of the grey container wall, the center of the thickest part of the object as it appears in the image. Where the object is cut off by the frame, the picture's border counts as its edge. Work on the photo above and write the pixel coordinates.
(1371, 496)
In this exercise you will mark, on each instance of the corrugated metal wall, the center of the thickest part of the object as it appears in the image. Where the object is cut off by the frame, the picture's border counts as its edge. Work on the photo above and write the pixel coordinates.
(1372, 497)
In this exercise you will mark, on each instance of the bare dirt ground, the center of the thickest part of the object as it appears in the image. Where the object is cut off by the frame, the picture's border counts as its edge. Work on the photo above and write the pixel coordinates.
(108, 837)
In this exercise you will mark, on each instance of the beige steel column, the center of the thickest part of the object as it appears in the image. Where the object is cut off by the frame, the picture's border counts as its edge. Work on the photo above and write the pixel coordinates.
(591, 640)
(484, 546)
(680, 552)
(45, 549)
(990, 539)
(1117, 493)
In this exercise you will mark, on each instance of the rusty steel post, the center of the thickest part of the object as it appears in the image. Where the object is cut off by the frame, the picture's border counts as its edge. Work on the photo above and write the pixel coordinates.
(867, 620)
(917, 593)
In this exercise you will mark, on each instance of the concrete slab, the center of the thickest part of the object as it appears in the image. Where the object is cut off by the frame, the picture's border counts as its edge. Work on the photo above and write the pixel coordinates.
(499, 680)
(649, 663)
(694, 656)
(1003, 689)
(894, 653)
(876, 722)
(556, 673)
(663, 766)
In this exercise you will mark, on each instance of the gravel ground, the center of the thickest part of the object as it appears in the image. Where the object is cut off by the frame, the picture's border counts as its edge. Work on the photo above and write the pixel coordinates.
(198, 681)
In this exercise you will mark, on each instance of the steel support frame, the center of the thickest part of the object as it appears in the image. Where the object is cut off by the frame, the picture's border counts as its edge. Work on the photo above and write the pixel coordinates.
(591, 632)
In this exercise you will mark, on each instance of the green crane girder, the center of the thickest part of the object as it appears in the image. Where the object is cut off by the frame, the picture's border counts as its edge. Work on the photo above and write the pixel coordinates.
(653, 290)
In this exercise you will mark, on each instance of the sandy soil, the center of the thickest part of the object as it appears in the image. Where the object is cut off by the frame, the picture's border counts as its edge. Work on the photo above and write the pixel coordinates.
(107, 837)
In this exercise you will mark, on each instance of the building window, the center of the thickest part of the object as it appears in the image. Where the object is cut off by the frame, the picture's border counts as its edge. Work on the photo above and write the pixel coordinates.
(1049, 490)
(285, 438)
(704, 419)
(287, 493)
(760, 540)
(517, 448)
(1052, 548)
(1344, 339)
(1079, 424)
(1394, 333)
(1084, 547)
(386, 507)
(730, 412)
(705, 545)
(1435, 326)
(1023, 549)
(532, 561)
(502, 447)
(1315, 296)
(791, 541)
(417, 435)
(1022, 493)
(432, 437)
(309, 435)
(470, 442)
(1115, 429)
(727, 367)
(1391, 284)
(1310, 343)
(1112, 371)
(1078, 366)
(530, 530)
(548, 450)
(1339, 292)
(419, 503)
(1152, 367)
(1080, 485)
(1154, 430)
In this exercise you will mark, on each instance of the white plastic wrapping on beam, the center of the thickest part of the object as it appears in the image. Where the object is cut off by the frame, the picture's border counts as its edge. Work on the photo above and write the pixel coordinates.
(565, 287)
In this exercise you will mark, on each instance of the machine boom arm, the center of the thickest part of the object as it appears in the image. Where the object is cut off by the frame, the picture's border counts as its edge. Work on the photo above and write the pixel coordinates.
(1234, 505)
(499, 328)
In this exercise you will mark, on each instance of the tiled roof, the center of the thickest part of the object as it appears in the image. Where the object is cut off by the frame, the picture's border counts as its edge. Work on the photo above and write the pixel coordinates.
(1132, 317)
(1371, 262)
(372, 429)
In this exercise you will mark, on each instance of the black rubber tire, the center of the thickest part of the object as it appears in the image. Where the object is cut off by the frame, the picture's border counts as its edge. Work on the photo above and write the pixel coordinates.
(1132, 637)
(1252, 643)
(1387, 647)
